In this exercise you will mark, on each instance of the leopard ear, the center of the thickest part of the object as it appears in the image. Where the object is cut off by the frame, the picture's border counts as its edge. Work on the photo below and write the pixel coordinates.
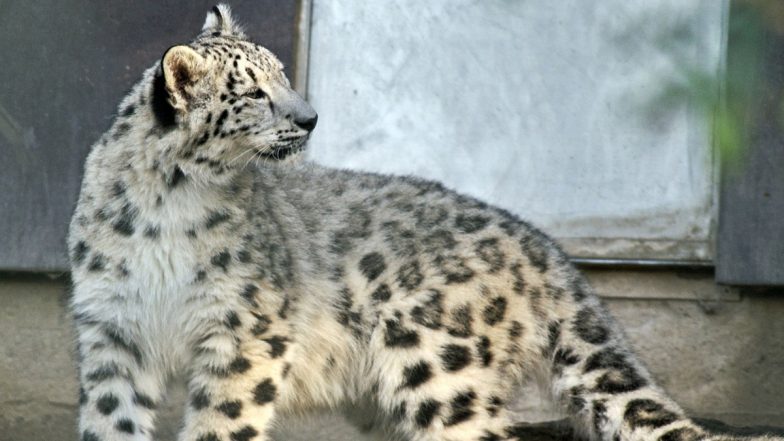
(219, 20)
(182, 67)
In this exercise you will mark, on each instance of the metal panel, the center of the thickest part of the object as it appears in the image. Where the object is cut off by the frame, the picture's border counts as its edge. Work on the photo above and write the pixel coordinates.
(751, 208)
(66, 65)
(540, 110)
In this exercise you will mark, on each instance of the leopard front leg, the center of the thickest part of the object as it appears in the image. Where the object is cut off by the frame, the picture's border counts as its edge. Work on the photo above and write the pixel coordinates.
(235, 379)
(119, 389)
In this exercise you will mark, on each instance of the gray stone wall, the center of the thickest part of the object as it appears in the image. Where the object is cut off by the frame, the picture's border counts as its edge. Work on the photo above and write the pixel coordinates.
(547, 111)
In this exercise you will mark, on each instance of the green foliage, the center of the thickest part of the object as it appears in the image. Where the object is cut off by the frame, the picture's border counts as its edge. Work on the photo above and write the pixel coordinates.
(732, 101)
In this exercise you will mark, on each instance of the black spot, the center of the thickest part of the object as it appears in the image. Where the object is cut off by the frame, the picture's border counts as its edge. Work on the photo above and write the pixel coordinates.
(124, 223)
(455, 357)
(102, 214)
(152, 231)
(250, 73)
(262, 324)
(222, 117)
(103, 373)
(416, 374)
(494, 404)
(239, 365)
(426, 412)
(494, 312)
(454, 269)
(200, 399)
(590, 327)
(409, 275)
(125, 425)
(599, 416)
(516, 329)
(90, 436)
(648, 413)
(97, 263)
(210, 436)
(118, 189)
(429, 313)
(398, 412)
(232, 320)
(461, 321)
(462, 408)
(201, 275)
(121, 130)
(221, 260)
(471, 223)
(231, 409)
(483, 349)
(682, 434)
(382, 293)
(245, 434)
(578, 293)
(122, 268)
(489, 251)
(620, 381)
(490, 436)
(79, 252)
(397, 336)
(191, 233)
(576, 400)
(608, 358)
(202, 139)
(175, 177)
(277, 346)
(535, 248)
(107, 404)
(120, 341)
(164, 112)
(372, 265)
(244, 256)
(553, 335)
(264, 392)
(565, 357)
(439, 240)
(284, 308)
(82, 396)
(249, 293)
(216, 218)
(345, 315)
(517, 274)
(143, 400)
(128, 110)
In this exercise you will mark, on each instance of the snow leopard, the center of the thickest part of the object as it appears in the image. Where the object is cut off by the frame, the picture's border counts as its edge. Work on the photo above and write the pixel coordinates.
(201, 246)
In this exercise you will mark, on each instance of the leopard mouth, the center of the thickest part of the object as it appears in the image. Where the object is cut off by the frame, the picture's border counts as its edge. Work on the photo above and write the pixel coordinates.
(281, 153)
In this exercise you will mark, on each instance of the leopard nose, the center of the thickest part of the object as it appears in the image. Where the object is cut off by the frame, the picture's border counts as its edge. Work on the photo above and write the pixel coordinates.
(307, 122)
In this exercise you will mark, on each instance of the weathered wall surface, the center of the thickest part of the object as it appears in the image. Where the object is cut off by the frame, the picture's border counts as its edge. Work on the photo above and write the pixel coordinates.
(545, 111)
(717, 352)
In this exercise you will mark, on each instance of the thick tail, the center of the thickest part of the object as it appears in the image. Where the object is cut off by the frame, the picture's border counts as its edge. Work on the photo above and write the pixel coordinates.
(605, 389)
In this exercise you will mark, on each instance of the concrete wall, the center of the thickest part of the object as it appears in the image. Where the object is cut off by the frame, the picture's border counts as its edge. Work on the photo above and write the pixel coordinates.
(545, 111)
(719, 352)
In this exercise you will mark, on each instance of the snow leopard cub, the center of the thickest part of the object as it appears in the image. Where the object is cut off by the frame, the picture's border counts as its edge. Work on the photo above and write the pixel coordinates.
(198, 248)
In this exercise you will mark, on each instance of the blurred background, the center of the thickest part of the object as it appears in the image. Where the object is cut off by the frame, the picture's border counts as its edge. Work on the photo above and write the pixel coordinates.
(645, 135)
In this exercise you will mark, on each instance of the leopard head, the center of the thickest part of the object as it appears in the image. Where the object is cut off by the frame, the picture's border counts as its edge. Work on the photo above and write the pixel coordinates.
(230, 99)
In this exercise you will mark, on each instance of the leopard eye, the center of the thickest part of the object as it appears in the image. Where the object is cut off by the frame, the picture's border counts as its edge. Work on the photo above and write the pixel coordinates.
(256, 94)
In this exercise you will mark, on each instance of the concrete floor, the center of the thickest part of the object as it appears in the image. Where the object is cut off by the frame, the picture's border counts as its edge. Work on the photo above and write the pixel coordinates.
(718, 351)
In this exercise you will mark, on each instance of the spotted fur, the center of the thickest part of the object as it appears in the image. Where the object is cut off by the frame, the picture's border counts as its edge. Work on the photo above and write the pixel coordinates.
(199, 247)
